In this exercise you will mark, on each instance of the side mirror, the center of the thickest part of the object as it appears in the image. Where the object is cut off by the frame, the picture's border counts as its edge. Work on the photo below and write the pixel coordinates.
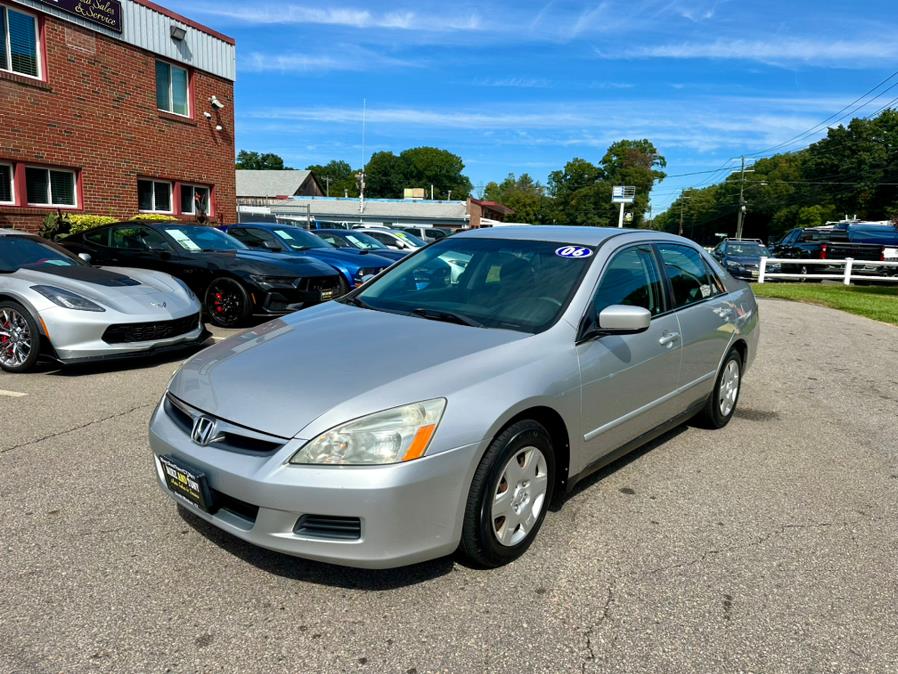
(84, 257)
(624, 320)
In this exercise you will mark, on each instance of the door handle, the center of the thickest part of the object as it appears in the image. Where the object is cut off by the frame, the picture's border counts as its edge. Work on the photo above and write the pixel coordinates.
(669, 338)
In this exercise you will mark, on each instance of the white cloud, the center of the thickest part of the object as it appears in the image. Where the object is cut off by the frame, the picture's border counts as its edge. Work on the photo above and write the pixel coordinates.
(833, 52)
(513, 82)
(287, 14)
(346, 59)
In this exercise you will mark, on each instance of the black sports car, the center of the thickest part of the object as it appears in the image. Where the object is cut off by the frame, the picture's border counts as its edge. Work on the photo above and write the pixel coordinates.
(233, 282)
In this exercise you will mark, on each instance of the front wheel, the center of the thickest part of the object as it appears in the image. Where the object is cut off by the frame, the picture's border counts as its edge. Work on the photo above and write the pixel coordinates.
(19, 338)
(510, 493)
(721, 404)
(227, 303)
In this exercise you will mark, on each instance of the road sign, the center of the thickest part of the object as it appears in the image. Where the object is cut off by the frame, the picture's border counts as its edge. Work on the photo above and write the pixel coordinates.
(623, 194)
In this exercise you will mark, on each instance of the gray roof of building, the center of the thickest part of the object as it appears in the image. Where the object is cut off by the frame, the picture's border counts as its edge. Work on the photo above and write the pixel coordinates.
(270, 183)
(349, 208)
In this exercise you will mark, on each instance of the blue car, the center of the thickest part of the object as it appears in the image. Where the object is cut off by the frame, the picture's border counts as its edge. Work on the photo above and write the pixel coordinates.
(354, 265)
(350, 238)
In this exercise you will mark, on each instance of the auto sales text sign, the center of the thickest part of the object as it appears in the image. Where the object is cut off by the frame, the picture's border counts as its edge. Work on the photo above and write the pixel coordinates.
(106, 13)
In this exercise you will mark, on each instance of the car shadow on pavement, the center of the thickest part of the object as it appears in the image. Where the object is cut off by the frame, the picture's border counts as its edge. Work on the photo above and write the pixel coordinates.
(614, 466)
(295, 568)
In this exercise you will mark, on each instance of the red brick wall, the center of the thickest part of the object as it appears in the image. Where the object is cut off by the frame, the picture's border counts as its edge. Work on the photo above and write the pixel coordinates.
(96, 112)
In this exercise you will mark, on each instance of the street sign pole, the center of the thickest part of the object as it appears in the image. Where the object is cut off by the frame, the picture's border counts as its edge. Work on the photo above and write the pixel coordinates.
(623, 195)
(620, 220)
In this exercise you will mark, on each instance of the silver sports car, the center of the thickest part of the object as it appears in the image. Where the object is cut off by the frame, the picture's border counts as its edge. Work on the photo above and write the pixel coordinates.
(429, 411)
(56, 305)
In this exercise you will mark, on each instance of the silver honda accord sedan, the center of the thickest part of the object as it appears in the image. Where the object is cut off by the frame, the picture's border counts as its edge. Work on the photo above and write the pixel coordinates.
(432, 411)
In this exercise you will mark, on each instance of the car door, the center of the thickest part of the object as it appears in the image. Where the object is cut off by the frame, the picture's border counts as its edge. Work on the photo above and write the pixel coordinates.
(627, 380)
(705, 316)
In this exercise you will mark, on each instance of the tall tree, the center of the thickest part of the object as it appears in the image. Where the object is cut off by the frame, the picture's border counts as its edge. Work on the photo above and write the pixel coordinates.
(525, 195)
(431, 166)
(337, 177)
(637, 163)
(385, 176)
(254, 161)
(580, 194)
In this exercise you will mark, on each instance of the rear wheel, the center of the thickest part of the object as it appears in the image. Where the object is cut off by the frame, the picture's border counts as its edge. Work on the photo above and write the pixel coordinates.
(227, 303)
(509, 495)
(721, 405)
(19, 338)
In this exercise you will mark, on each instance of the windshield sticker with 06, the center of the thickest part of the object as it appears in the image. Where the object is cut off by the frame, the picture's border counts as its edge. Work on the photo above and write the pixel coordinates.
(574, 252)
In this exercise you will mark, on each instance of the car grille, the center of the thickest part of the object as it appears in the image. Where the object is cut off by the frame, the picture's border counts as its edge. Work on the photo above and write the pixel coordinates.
(234, 438)
(323, 284)
(126, 333)
(327, 526)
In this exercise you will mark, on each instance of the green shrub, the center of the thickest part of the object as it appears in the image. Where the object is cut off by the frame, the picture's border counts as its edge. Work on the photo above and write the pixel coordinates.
(153, 217)
(81, 223)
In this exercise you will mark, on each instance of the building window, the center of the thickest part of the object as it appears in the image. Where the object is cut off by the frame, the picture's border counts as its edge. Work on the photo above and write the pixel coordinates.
(195, 200)
(154, 196)
(7, 186)
(20, 48)
(50, 187)
(172, 89)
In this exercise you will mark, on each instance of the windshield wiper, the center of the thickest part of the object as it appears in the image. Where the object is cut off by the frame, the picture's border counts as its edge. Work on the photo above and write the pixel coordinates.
(355, 301)
(446, 316)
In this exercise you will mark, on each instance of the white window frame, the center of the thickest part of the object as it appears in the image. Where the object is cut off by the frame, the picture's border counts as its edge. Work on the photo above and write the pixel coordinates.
(12, 183)
(7, 43)
(194, 186)
(171, 90)
(171, 195)
(49, 203)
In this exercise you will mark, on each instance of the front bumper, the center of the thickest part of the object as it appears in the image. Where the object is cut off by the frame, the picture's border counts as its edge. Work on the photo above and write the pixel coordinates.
(408, 512)
(77, 336)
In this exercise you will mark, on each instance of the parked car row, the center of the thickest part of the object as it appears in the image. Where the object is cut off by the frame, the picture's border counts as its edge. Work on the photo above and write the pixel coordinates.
(138, 288)
(866, 244)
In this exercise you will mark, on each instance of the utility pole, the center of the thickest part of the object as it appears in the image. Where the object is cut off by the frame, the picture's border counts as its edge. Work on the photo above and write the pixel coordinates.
(742, 209)
(327, 183)
(683, 198)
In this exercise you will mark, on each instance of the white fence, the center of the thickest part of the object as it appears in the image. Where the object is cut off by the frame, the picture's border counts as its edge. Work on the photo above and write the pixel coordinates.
(849, 275)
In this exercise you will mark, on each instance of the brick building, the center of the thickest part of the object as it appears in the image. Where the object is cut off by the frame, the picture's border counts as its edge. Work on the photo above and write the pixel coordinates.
(113, 107)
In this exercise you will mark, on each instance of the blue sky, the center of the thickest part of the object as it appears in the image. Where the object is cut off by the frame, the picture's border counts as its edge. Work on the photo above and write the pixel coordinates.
(526, 86)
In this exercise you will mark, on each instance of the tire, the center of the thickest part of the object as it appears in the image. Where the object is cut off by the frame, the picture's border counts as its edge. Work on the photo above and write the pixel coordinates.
(717, 411)
(493, 537)
(227, 303)
(20, 340)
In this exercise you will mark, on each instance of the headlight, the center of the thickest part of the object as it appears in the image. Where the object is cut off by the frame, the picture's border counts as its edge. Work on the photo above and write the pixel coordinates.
(363, 275)
(392, 436)
(273, 281)
(67, 299)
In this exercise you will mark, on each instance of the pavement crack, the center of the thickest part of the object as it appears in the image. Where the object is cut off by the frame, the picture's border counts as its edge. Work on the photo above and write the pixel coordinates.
(80, 427)
(606, 610)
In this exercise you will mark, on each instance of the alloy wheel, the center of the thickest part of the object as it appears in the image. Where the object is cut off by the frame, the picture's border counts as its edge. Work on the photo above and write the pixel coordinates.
(15, 338)
(225, 301)
(729, 388)
(520, 496)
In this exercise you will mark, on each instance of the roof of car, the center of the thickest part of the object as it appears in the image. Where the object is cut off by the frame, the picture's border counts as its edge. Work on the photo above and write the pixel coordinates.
(15, 232)
(584, 236)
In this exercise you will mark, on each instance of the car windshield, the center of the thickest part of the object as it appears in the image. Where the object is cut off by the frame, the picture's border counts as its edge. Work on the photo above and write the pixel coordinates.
(22, 252)
(352, 239)
(207, 239)
(494, 283)
(299, 239)
(747, 249)
(411, 238)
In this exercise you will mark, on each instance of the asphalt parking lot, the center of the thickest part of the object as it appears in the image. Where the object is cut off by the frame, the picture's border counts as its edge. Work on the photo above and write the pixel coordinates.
(768, 546)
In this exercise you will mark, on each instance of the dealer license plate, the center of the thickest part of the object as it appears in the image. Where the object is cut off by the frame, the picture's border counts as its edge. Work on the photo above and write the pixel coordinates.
(188, 483)
(328, 294)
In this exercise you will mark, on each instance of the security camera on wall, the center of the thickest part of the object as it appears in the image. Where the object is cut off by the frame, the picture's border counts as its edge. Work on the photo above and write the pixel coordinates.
(217, 104)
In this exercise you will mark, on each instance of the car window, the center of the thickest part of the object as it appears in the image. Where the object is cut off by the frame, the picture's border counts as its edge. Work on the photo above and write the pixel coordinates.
(196, 238)
(689, 277)
(137, 238)
(631, 278)
(496, 283)
(254, 238)
(385, 239)
(99, 237)
(334, 240)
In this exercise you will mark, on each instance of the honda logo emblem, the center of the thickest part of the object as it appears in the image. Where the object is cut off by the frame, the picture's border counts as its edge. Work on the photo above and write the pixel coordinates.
(203, 432)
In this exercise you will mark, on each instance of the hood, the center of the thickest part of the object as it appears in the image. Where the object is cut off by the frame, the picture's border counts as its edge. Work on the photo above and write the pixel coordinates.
(129, 291)
(284, 374)
(392, 255)
(352, 257)
(259, 262)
